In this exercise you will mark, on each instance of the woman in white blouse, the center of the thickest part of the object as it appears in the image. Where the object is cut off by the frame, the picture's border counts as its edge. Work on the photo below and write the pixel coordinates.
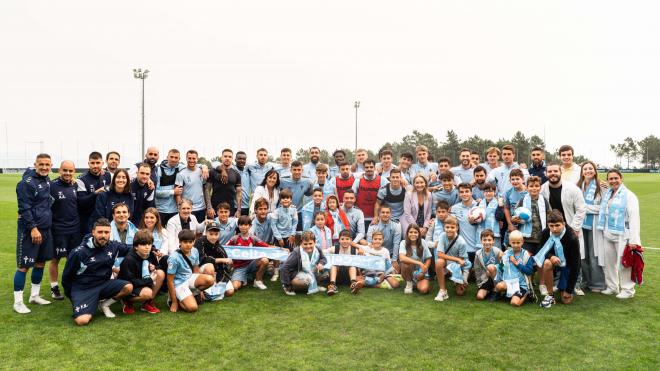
(269, 189)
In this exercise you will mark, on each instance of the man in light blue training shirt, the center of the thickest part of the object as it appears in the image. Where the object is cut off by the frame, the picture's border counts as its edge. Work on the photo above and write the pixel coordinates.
(259, 169)
(423, 166)
(464, 171)
(500, 175)
(191, 179)
(309, 170)
(466, 225)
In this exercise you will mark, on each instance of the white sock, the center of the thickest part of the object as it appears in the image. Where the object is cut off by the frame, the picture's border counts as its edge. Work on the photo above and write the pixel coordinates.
(53, 284)
(108, 302)
(34, 290)
(18, 296)
(409, 284)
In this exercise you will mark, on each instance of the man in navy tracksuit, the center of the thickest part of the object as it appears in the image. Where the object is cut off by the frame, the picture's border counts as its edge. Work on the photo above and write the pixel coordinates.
(33, 239)
(66, 222)
(86, 277)
(91, 184)
(143, 193)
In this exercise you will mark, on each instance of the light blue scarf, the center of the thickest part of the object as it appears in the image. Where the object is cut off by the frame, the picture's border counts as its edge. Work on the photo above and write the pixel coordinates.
(339, 224)
(438, 230)
(308, 214)
(510, 271)
(252, 253)
(145, 269)
(616, 211)
(158, 241)
(308, 265)
(527, 202)
(456, 270)
(114, 236)
(589, 197)
(552, 242)
(489, 221)
(374, 263)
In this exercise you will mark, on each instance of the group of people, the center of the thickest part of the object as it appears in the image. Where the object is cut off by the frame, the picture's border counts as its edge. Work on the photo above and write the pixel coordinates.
(176, 227)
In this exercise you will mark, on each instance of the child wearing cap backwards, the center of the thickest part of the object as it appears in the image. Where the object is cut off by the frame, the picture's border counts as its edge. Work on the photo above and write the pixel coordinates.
(140, 267)
(452, 260)
(517, 266)
(383, 279)
(183, 275)
(302, 270)
(486, 262)
(342, 274)
(214, 260)
(245, 268)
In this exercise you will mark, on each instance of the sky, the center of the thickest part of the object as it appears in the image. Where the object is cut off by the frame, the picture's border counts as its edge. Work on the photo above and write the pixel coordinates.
(250, 74)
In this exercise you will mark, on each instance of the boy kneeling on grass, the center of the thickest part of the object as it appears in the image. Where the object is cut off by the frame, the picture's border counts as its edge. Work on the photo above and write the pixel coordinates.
(341, 274)
(245, 268)
(184, 278)
(517, 267)
(304, 267)
(140, 267)
(452, 260)
(486, 262)
(372, 278)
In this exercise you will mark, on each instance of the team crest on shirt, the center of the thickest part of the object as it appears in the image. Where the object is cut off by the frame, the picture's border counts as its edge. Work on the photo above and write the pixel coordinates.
(92, 259)
(60, 195)
(109, 254)
(80, 307)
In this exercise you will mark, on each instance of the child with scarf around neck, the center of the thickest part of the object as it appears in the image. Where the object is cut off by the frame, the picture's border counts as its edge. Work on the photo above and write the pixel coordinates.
(517, 266)
(304, 268)
(342, 274)
(561, 249)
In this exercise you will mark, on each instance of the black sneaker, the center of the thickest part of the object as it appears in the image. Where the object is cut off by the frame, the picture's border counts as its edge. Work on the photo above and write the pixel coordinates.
(548, 301)
(56, 294)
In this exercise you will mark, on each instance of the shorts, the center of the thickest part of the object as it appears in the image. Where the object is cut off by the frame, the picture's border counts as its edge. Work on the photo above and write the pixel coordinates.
(343, 277)
(64, 243)
(521, 294)
(300, 224)
(186, 288)
(286, 244)
(242, 274)
(27, 253)
(471, 256)
(531, 247)
(489, 286)
(85, 301)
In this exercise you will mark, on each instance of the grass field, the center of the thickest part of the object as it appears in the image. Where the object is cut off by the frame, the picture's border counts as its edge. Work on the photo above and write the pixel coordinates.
(377, 329)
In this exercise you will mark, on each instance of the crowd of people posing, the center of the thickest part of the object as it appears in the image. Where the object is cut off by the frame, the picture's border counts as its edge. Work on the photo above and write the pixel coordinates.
(198, 233)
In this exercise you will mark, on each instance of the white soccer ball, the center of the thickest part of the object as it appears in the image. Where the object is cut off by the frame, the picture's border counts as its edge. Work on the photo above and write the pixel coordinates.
(477, 213)
(523, 213)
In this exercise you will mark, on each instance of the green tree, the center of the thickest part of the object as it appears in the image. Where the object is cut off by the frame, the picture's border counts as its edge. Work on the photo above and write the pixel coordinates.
(451, 147)
(649, 151)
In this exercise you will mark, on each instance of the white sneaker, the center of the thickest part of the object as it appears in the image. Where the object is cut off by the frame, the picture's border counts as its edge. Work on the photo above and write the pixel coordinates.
(409, 288)
(104, 306)
(625, 294)
(579, 292)
(290, 293)
(260, 285)
(608, 291)
(38, 300)
(442, 295)
(20, 308)
(543, 290)
(322, 289)
(276, 275)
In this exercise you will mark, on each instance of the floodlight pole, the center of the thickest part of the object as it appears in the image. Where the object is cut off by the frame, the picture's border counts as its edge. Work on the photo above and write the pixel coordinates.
(142, 75)
(356, 105)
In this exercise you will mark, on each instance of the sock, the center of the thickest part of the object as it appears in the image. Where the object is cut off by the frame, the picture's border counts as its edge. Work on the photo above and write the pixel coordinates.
(19, 281)
(18, 296)
(37, 275)
(34, 290)
(108, 302)
(53, 285)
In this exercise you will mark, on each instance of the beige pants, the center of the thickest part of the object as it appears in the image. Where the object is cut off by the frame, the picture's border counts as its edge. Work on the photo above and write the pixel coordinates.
(617, 277)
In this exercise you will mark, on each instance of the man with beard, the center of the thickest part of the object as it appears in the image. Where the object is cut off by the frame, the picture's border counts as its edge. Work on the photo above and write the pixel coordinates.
(568, 199)
(366, 189)
(537, 167)
(90, 184)
(241, 160)
(192, 181)
(465, 170)
(309, 170)
(112, 159)
(151, 158)
(258, 170)
(478, 182)
(339, 157)
(166, 190)
(142, 190)
(86, 277)
(66, 222)
(230, 190)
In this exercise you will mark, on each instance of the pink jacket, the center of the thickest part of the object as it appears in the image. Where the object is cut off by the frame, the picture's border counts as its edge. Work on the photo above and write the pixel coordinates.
(411, 209)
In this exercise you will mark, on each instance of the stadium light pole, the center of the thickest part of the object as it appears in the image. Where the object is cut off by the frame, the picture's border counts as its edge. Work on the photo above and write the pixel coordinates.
(356, 105)
(142, 75)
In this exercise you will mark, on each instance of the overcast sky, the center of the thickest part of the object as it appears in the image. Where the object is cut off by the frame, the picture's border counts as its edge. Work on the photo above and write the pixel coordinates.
(246, 74)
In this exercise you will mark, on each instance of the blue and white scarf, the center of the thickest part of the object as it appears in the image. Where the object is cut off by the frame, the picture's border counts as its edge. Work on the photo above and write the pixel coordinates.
(114, 236)
(308, 214)
(145, 269)
(375, 263)
(252, 253)
(527, 226)
(589, 198)
(616, 211)
(456, 270)
(158, 240)
(308, 264)
(339, 224)
(552, 242)
(438, 230)
(489, 221)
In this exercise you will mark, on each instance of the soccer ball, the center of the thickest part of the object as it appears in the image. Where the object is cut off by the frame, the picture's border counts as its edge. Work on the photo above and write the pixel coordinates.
(477, 213)
(523, 213)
